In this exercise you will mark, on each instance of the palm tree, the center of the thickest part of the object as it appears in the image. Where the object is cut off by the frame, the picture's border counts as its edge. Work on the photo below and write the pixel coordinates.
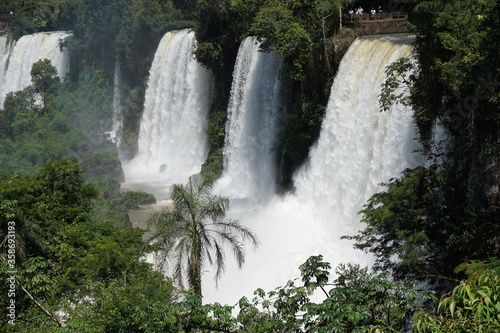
(26, 232)
(195, 230)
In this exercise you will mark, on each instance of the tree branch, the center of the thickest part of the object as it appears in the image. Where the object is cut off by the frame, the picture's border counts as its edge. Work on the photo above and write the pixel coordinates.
(39, 305)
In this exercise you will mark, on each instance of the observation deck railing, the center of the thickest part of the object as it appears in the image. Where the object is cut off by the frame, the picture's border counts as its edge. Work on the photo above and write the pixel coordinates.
(6, 21)
(365, 17)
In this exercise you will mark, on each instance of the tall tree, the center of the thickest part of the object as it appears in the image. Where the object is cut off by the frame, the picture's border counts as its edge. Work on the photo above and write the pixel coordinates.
(194, 231)
(45, 79)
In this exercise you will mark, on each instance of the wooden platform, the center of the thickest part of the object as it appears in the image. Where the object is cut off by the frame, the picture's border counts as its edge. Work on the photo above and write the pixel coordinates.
(377, 17)
(6, 21)
(383, 23)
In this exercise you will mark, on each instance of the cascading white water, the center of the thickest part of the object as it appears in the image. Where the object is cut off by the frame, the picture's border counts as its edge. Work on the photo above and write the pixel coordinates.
(253, 126)
(115, 134)
(172, 139)
(17, 59)
(4, 56)
(359, 147)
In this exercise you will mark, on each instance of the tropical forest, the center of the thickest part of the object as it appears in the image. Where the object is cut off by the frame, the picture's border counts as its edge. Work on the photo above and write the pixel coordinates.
(250, 166)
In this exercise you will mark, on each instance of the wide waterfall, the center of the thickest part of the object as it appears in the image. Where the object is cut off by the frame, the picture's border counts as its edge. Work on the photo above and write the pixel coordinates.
(172, 139)
(253, 126)
(17, 59)
(359, 147)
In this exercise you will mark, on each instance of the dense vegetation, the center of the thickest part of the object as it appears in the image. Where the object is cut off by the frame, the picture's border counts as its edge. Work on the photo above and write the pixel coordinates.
(431, 219)
(79, 264)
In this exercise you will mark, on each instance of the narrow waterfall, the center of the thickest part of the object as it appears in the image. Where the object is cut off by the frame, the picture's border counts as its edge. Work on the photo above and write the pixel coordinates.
(172, 140)
(5, 49)
(253, 126)
(17, 59)
(4, 56)
(115, 134)
(359, 147)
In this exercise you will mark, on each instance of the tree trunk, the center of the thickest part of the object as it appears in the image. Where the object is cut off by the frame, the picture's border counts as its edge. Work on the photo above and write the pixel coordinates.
(195, 274)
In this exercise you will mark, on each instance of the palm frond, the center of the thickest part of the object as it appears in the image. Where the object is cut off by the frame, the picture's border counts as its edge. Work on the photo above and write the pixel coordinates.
(182, 258)
(234, 243)
(220, 263)
(234, 226)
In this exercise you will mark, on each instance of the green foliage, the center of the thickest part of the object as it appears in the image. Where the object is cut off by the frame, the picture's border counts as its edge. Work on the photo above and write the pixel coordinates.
(44, 78)
(213, 167)
(6, 6)
(425, 224)
(472, 306)
(94, 37)
(358, 301)
(122, 308)
(105, 164)
(99, 252)
(26, 232)
(285, 34)
(457, 79)
(363, 302)
(144, 24)
(298, 30)
(64, 193)
(59, 123)
(89, 269)
(216, 128)
(212, 19)
(35, 133)
(47, 15)
(132, 200)
(315, 272)
(19, 113)
(131, 115)
(73, 257)
(45, 202)
(210, 55)
(107, 187)
(302, 128)
(22, 26)
(87, 99)
(395, 87)
(112, 210)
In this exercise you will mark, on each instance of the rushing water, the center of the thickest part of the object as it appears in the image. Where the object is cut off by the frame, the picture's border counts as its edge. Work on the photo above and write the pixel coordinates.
(253, 127)
(115, 134)
(17, 59)
(359, 147)
(172, 139)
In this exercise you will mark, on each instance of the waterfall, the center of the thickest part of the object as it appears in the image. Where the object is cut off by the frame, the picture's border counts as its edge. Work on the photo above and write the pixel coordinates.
(17, 59)
(172, 141)
(358, 148)
(4, 56)
(115, 134)
(253, 126)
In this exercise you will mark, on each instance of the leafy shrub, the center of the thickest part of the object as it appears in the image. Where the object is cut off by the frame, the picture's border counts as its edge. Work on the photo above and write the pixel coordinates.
(132, 200)
(105, 164)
